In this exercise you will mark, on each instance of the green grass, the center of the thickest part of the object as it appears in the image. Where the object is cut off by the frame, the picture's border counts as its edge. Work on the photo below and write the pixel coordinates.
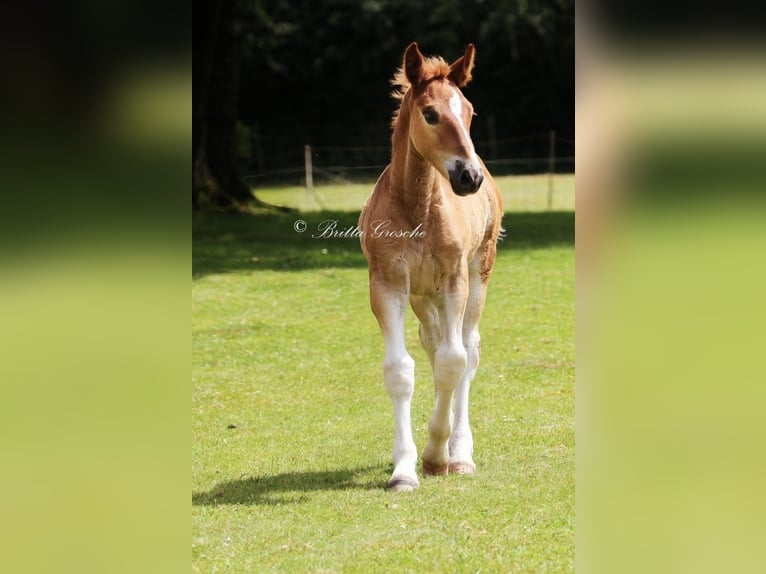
(521, 193)
(286, 351)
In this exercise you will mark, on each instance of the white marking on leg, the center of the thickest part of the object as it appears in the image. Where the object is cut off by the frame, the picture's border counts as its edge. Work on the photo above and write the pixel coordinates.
(399, 378)
(450, 362)
(461, 440)
(449, 365)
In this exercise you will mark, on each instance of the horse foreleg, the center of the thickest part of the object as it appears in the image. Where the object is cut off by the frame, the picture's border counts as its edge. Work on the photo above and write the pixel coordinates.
(399, 376)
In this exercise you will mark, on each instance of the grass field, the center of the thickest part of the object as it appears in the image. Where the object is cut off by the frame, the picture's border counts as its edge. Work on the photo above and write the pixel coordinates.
(521, 193)
(292, 428)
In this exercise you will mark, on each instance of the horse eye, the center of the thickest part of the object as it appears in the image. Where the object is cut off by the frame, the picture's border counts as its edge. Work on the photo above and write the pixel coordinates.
(431, 116)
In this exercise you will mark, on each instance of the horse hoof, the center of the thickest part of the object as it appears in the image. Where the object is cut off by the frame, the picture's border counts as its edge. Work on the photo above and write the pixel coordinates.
(432, 470)
(462, 467)
(401, 484)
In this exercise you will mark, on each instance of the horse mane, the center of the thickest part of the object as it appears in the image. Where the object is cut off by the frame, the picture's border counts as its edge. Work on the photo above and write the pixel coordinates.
(432, 67)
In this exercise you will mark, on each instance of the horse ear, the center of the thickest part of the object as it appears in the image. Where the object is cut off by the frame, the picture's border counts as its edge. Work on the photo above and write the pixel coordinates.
(413, 64)
(460, 70)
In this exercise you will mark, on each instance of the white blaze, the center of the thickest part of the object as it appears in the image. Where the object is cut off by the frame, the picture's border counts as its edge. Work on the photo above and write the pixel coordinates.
(456, 107)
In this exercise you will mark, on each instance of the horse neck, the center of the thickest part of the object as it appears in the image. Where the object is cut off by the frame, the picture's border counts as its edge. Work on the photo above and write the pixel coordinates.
(413, 180)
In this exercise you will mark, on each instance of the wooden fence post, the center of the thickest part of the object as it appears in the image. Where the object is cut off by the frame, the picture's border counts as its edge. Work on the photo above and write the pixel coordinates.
(309, 173)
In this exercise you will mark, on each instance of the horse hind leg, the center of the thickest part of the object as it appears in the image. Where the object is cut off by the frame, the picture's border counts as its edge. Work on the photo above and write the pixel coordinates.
(449, 363)
(461, 439)
(428, 330)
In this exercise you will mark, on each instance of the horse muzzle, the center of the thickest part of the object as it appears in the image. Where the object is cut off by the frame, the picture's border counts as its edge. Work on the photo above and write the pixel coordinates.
(465, 179)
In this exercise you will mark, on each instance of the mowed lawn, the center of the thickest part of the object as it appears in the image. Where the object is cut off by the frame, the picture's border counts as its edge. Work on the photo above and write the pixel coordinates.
(292, 427)
(521, 193)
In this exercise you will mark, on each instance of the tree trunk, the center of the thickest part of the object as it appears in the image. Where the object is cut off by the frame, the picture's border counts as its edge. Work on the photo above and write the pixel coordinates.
(216, 182)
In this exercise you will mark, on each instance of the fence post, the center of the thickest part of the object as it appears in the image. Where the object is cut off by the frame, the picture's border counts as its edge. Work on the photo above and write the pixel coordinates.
(551, 166)
(309, 172)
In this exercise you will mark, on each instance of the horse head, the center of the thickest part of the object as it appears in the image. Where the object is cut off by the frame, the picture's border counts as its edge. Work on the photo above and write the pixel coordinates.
(440, 116)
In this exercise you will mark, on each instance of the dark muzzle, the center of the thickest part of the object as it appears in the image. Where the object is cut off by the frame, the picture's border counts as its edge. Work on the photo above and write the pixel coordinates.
(464, 179)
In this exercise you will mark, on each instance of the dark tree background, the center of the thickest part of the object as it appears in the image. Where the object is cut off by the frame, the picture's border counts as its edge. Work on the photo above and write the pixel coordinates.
(287, 73)
(218, 32)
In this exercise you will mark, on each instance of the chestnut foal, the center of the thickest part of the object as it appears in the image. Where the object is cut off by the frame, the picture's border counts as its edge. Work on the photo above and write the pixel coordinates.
(429, 233)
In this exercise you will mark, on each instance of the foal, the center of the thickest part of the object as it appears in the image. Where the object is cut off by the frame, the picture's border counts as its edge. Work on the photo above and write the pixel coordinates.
(429, 233)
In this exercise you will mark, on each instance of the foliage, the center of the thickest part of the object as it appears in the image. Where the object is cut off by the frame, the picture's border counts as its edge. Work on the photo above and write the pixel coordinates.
(318, 73)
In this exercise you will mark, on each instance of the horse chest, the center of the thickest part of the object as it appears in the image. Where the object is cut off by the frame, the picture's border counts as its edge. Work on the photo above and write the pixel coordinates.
(428, 271)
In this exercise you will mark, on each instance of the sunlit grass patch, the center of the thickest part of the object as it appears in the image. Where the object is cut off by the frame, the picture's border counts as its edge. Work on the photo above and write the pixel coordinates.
(292, 427)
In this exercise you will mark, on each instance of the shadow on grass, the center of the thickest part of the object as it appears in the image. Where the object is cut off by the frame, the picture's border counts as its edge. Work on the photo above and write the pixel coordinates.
(223, 243)
(291, 487)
